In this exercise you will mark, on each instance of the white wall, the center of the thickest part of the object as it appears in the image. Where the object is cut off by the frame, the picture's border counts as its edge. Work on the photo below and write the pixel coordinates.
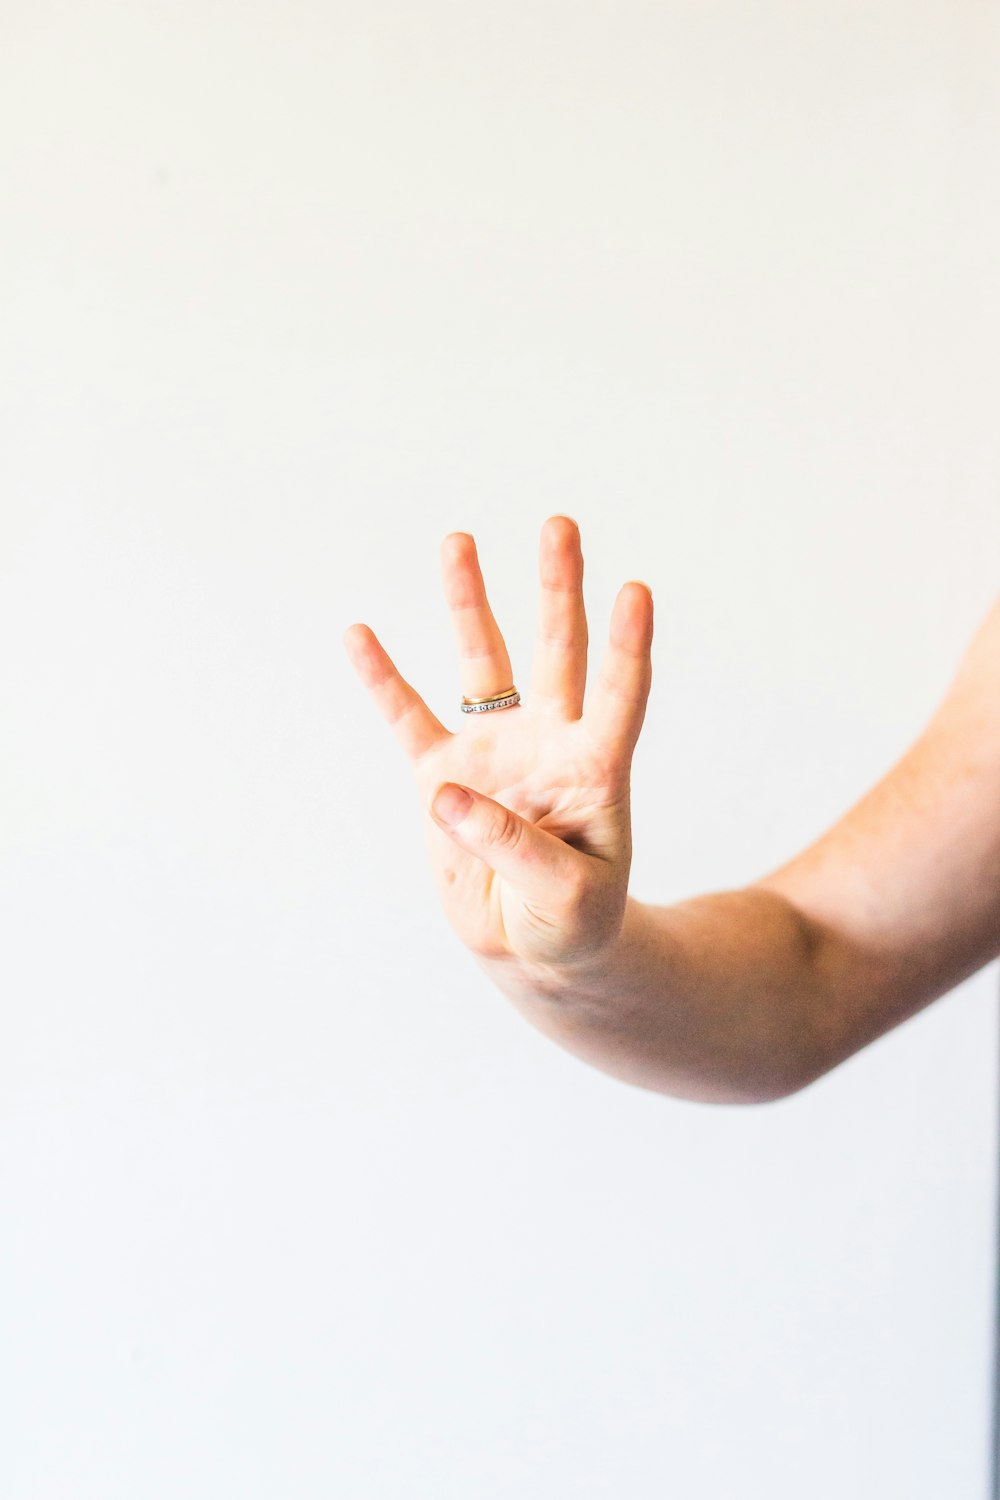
(294, 1203)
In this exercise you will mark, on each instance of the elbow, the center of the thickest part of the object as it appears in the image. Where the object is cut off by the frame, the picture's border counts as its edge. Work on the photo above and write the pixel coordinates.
(770, 1082)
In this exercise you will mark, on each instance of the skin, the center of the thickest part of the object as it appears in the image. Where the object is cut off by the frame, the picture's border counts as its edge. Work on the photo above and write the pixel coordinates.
(737, 996)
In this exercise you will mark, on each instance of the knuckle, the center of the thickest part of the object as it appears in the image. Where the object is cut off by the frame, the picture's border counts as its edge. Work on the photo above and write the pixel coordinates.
(503, 831)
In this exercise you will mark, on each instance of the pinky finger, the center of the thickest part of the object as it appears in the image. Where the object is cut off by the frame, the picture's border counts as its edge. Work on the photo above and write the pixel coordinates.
(416, 728)
(616, 706)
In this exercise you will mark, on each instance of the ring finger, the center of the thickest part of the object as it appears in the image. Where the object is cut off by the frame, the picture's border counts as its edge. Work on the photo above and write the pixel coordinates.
(484, 666)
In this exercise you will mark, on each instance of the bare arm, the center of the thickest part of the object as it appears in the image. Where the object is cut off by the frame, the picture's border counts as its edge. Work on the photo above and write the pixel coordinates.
(748, 995)
(711, 999)
(905, 888)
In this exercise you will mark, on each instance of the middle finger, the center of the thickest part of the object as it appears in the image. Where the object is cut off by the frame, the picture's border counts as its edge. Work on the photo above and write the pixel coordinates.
(559, 670)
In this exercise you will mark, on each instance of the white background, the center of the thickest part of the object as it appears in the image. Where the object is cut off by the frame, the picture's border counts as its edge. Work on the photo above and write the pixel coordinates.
(294, 1203)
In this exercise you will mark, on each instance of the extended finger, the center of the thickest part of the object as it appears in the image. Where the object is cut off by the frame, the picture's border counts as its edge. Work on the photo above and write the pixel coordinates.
(559, 668)
(616, 704)
(484, 666)
(416, 728)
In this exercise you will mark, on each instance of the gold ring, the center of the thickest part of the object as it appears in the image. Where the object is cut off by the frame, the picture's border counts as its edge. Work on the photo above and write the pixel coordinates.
(492, 697)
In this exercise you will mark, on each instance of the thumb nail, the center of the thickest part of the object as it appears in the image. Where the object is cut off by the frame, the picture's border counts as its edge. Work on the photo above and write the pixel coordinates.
(451, 803)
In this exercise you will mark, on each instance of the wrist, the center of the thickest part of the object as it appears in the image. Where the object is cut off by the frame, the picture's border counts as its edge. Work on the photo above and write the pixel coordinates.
(589, 980)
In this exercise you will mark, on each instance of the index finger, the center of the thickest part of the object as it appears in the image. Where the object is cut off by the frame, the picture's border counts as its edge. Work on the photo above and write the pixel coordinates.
(416, 728)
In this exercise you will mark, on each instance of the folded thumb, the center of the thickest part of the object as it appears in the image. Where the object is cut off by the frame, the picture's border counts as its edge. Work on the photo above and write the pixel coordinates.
(538, 864)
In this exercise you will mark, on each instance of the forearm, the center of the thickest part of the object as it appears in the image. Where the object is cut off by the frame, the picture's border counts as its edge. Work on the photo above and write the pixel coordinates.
(718, 999)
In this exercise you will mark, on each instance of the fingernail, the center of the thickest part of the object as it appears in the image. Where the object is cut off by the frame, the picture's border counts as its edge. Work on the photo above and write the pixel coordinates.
(451, 803)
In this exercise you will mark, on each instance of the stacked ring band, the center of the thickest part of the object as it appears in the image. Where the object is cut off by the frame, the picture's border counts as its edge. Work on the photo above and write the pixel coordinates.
(488, 705)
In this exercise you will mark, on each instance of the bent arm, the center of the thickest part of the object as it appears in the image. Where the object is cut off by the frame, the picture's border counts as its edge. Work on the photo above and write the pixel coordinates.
(711, 999)
(745, 996)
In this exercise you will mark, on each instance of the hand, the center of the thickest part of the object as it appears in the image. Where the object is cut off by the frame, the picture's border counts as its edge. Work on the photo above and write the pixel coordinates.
(527, 808)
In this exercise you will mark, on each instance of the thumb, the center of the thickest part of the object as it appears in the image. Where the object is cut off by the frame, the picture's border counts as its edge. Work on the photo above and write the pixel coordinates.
(538, 864)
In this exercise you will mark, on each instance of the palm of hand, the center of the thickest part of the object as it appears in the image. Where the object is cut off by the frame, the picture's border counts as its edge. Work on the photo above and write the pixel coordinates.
(549, 775)
(539, 867)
